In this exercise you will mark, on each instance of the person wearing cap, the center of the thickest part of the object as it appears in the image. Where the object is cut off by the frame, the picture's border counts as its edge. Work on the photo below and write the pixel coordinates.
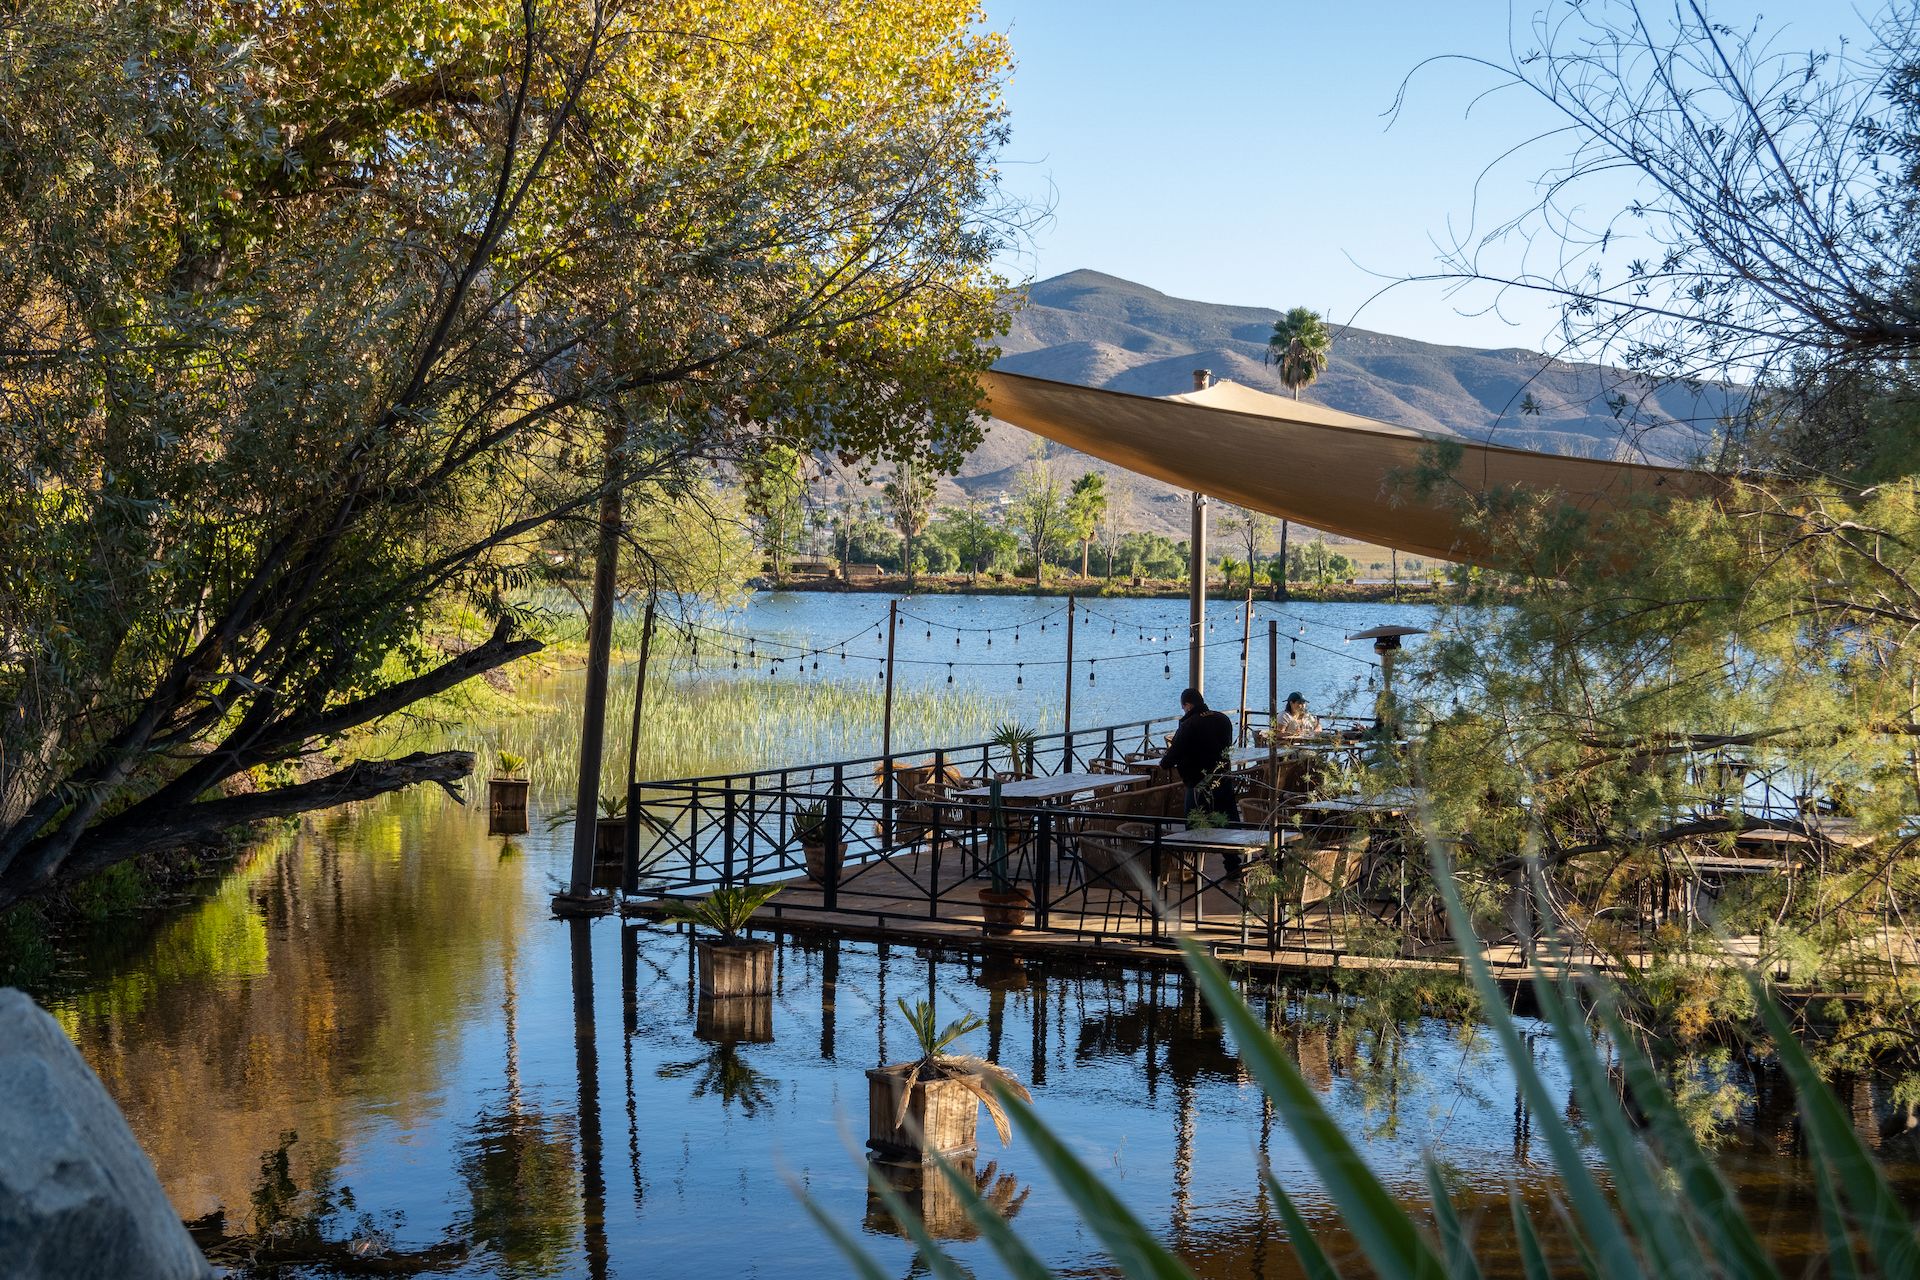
(1296, 721)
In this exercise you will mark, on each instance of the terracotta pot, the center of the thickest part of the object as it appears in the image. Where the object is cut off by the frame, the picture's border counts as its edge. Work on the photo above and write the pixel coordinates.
(817, 861)
(731, 969)
(1006, 911)
(942, 1116)
(506, 806)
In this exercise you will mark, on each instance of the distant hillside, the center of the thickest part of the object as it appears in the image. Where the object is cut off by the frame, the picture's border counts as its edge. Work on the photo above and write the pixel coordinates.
(1101, 331)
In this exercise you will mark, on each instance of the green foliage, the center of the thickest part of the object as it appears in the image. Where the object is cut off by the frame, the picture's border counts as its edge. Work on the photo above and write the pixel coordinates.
(509, 764)
(1039, 510)
(319, 321)
(928, 1035)
(727, 911)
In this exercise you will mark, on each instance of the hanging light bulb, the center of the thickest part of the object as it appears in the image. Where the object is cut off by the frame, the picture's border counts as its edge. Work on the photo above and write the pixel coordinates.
(956, 639)
(1019, 673)
(1016, 636)
(1166, 667)
(949, 673)
(1293, 657)
(929, 633)
(989, 639)
(1089, 673)
(816, 664)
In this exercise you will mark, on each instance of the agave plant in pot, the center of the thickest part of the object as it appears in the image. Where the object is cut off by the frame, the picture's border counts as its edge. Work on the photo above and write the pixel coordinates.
(507, 796)
(810, 827)
(1003, 904)
(931, 1106)
(731, 964)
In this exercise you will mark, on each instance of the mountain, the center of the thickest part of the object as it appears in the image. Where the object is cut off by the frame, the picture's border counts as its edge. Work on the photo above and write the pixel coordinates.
(1101, 331)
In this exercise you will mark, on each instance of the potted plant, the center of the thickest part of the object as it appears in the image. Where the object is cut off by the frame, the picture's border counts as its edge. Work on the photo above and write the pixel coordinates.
(507, 795)
(731, 964)
(810, 826)
(1018, 741)
(931, 1106)
(610, 829)
(1003, 904)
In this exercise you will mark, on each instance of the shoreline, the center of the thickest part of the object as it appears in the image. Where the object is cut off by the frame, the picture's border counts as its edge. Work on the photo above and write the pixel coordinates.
(1161, 589)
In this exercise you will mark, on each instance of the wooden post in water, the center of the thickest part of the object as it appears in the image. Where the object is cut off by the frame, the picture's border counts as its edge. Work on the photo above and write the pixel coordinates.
(579, 896)
(1246, 641)
(1273, 724)
(1066, 714)
(886, 733)
(630, 871)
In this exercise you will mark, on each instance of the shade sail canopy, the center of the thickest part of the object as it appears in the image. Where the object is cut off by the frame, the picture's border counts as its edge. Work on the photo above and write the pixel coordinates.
(1308, 463)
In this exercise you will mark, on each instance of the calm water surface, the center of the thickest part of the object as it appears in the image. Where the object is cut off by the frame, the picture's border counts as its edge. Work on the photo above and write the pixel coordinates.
(374, 1032)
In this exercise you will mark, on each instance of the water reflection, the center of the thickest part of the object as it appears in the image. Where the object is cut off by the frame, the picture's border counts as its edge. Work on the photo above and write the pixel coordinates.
(929, 1195)
(391, 989)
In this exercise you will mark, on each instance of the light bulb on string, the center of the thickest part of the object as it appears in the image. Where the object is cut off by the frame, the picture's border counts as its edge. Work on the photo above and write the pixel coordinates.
(956, 639)
(1293, 657)
(1019, 673)
(989, 639)
(1166, 667)
(949, 673)
(1089, 673)
(929, 633)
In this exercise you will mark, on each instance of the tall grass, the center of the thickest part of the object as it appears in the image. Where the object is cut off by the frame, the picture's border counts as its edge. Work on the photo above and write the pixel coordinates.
(701, 721)
(1672, 1214)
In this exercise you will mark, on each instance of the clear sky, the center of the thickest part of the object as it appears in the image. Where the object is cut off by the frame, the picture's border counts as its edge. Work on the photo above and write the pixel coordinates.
(1239, 152)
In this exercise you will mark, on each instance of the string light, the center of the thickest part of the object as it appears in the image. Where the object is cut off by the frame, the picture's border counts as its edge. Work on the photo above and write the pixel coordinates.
(1019, 673)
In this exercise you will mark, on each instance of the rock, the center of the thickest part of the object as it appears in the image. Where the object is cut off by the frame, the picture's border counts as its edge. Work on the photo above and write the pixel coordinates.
(78, 1197)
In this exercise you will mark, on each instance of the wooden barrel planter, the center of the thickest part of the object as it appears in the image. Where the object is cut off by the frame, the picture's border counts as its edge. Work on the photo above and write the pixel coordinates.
(506, 806)
(610, 839)
(732, 969)
(1006, 911)
(742, 1020)
(819, 861)
(928, 1194)
(942, 1116)
(1002, 972)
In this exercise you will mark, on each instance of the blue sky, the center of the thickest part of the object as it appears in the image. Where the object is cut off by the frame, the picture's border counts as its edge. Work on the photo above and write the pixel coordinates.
(1239, 152)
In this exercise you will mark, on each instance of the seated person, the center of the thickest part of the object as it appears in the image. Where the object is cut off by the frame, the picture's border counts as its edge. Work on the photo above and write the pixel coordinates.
(1296, 721)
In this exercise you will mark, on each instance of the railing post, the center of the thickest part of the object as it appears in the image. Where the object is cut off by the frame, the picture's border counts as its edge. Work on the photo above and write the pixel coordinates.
(753, 824)
(1042, 868)
(1153, 874)
(1066, 754)
(935, 809)
(630, 859)
(836, 850)
(727, 816)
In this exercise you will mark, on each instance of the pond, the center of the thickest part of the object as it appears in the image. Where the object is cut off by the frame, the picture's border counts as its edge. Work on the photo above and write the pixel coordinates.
(372, 1032)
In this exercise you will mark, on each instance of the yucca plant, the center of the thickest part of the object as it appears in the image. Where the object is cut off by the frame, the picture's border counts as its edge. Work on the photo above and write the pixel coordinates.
(987, 1081)
(726, 911)
(509, 764)
(1018, 741)
(1673, 1214)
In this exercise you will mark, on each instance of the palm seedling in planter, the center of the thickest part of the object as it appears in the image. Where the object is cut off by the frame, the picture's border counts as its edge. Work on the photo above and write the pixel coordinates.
(731, 964)
(1018, 741)
(1003, 904)
(931, 1106)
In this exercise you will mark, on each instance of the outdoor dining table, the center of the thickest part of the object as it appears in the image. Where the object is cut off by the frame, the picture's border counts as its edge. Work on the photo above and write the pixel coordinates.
(1196, 843)
(1053, 788)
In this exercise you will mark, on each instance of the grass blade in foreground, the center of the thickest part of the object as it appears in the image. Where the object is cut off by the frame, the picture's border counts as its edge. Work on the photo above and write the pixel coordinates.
(1460, 1260)
(1313, 1259)
(938, 1263)
(1391, 1240)
(1134, 1248)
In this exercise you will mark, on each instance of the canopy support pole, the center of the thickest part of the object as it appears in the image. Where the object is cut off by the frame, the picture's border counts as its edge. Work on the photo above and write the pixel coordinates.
(1197, 597)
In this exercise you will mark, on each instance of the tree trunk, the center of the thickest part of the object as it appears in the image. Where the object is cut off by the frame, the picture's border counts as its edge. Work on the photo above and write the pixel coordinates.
(1085, 543)
(1281, 586)
(593, 719)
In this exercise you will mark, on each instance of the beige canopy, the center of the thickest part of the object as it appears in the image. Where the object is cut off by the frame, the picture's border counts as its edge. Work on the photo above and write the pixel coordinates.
(1306, 462)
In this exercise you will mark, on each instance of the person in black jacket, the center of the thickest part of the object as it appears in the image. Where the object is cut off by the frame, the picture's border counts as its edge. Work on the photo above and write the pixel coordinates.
(1199, 752)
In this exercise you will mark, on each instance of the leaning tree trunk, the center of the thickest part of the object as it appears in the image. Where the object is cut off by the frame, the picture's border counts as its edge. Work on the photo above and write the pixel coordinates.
(593, 719)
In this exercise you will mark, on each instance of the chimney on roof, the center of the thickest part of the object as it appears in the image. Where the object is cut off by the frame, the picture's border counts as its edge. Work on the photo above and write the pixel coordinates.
(1201, 379)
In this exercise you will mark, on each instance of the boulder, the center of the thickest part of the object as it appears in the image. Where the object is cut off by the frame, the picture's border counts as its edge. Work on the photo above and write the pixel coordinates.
(78, 1197)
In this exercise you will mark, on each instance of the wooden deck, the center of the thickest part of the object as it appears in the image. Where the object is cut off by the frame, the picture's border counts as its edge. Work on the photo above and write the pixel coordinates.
(887, 901)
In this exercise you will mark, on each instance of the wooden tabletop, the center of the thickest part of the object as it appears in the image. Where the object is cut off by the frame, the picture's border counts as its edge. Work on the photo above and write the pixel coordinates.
(1059, 786)
(1227, 837)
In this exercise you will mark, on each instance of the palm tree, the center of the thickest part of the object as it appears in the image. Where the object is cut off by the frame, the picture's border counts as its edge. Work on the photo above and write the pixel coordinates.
(1300, 345)
(1086, 503)
(910, 494)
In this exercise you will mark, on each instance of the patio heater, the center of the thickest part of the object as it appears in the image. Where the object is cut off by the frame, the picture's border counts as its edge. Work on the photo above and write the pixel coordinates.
(1386, 643)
